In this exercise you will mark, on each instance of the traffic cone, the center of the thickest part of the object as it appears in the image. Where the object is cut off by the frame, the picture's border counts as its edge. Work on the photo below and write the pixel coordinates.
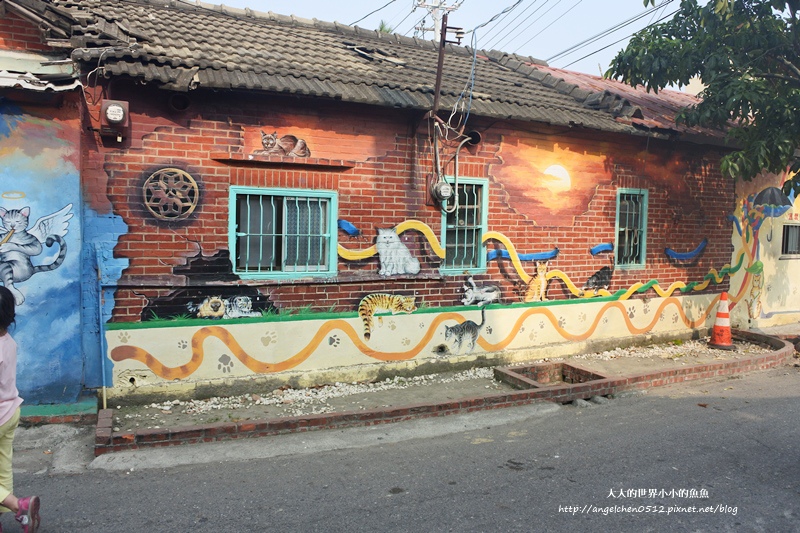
(721, 333)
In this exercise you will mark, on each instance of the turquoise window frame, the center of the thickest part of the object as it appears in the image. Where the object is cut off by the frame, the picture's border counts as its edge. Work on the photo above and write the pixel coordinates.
(627, 221)
(330, 233)
(480, 247)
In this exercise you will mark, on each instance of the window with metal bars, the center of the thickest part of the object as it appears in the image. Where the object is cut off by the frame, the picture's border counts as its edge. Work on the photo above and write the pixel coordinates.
(282, 232)
(463, 229)
(791, 240)
(631, 245)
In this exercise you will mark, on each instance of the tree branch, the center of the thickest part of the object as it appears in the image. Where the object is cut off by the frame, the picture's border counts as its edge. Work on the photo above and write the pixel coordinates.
(767, 75)
(790, 66)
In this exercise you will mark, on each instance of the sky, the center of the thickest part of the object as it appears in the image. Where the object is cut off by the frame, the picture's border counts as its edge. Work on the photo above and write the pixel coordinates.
(538, 28)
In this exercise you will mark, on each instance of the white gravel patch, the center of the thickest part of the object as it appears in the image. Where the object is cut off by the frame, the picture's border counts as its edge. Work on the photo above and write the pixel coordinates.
(676, 349)
(296, 402)
(316, 400)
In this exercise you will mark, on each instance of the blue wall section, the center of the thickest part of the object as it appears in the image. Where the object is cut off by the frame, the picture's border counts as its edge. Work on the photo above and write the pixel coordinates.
(38, 158)
(103, 270)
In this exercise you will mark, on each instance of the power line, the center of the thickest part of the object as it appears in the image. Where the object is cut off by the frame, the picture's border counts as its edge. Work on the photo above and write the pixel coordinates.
(498, 28)
(499, 38)
(609, 31)
(546, 27)
(619, 41)
(373, 12)
(504, 38)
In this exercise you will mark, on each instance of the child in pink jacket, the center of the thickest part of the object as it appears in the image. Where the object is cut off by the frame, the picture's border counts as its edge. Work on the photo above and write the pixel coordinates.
(26, 510)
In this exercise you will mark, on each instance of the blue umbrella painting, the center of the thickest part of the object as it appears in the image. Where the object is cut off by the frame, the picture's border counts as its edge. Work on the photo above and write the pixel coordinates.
(773, 203)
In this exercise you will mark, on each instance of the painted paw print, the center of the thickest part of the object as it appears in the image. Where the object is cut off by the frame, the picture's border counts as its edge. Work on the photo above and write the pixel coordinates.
(661, 318)
(541, 324)
(522, 329)
(489, 330)
(674, 319)
(532, 336)
(183, 345)
(406, 341)
(769, 288)
(646, 308)
(124, 337)
(631, 312)
(562, 322)
(334, 341)
(269, 338)
(422, 325)
(391, 325)
(225, 363)
(605, 320)
(582, 317)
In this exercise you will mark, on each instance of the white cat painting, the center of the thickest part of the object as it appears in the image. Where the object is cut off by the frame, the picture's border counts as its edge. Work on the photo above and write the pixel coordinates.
(395, 258)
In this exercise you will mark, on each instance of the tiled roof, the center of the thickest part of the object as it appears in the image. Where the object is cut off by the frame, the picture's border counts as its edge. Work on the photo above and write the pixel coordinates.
(182, 46)
(632, 105)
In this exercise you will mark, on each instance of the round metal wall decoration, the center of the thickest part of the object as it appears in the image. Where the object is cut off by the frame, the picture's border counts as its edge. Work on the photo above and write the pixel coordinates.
(170, 194)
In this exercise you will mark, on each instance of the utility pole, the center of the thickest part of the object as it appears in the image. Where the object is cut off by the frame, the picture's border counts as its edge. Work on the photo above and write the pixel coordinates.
(437, 9)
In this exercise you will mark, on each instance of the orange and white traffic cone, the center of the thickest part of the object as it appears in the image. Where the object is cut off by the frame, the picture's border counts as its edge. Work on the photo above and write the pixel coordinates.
(721, 333)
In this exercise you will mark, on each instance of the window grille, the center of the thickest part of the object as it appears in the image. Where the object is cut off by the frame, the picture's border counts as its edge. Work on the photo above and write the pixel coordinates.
(282, 231)
(464, 228)
(631, 227)
(791, 240)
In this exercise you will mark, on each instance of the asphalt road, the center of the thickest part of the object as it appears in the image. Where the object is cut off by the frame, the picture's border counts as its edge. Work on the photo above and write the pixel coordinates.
(705, 456)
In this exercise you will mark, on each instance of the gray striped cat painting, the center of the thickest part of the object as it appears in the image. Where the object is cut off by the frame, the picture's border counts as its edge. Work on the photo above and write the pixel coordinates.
(20, 241)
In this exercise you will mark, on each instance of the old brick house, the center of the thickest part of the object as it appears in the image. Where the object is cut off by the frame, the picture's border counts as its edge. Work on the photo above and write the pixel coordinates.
(262, 197)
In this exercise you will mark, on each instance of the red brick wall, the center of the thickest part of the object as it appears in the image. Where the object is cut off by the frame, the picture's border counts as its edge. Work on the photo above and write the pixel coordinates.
(386, 186)
(19, 34)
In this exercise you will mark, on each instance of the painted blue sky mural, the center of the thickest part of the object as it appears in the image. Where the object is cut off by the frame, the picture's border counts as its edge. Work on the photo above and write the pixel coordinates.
(38, 172)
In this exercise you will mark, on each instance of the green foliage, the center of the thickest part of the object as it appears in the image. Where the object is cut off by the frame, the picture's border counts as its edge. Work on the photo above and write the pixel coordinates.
(384, 27)
(747, 54)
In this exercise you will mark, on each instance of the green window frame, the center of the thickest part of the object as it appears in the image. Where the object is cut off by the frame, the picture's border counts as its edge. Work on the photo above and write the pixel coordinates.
(631, 229)
(463, 230)
(282, 233)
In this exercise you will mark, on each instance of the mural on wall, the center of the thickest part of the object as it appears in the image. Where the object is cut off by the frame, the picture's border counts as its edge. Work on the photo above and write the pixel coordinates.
(756, 203)
(39, 149)
(483, 295)
(764, 276)
(686, 258)
(536, 290)
(542, 184)
(373, 303)
(395, 257)
(285, 145)
(21, 241)
(135, 347)
(202, 299)
(170, 194)
(466, 330)
(551, 184)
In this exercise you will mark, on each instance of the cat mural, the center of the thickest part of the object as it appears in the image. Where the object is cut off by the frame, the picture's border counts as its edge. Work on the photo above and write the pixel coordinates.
(19, 242)
(372, 303)
(466, 330)
(536, 289)
(395, 258)
(474, 295)
(286, 145)
(215, 307)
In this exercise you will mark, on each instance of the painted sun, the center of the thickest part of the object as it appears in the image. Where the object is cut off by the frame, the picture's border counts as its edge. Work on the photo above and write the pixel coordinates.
(560, 178)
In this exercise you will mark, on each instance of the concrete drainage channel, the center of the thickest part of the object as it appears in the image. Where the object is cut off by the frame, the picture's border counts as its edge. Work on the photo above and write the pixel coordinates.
(539, 382)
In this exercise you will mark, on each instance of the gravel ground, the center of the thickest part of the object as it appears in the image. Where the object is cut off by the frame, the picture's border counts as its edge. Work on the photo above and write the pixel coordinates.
(405, 391)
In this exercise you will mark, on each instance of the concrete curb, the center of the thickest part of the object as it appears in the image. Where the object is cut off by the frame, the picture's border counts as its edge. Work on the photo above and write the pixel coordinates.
(107, 440)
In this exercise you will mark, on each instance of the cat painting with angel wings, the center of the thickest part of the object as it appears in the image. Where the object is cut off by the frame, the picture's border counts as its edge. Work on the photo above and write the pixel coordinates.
(19, 242)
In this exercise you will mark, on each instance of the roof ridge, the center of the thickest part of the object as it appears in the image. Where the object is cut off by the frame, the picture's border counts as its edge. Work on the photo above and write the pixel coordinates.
(605, 100)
